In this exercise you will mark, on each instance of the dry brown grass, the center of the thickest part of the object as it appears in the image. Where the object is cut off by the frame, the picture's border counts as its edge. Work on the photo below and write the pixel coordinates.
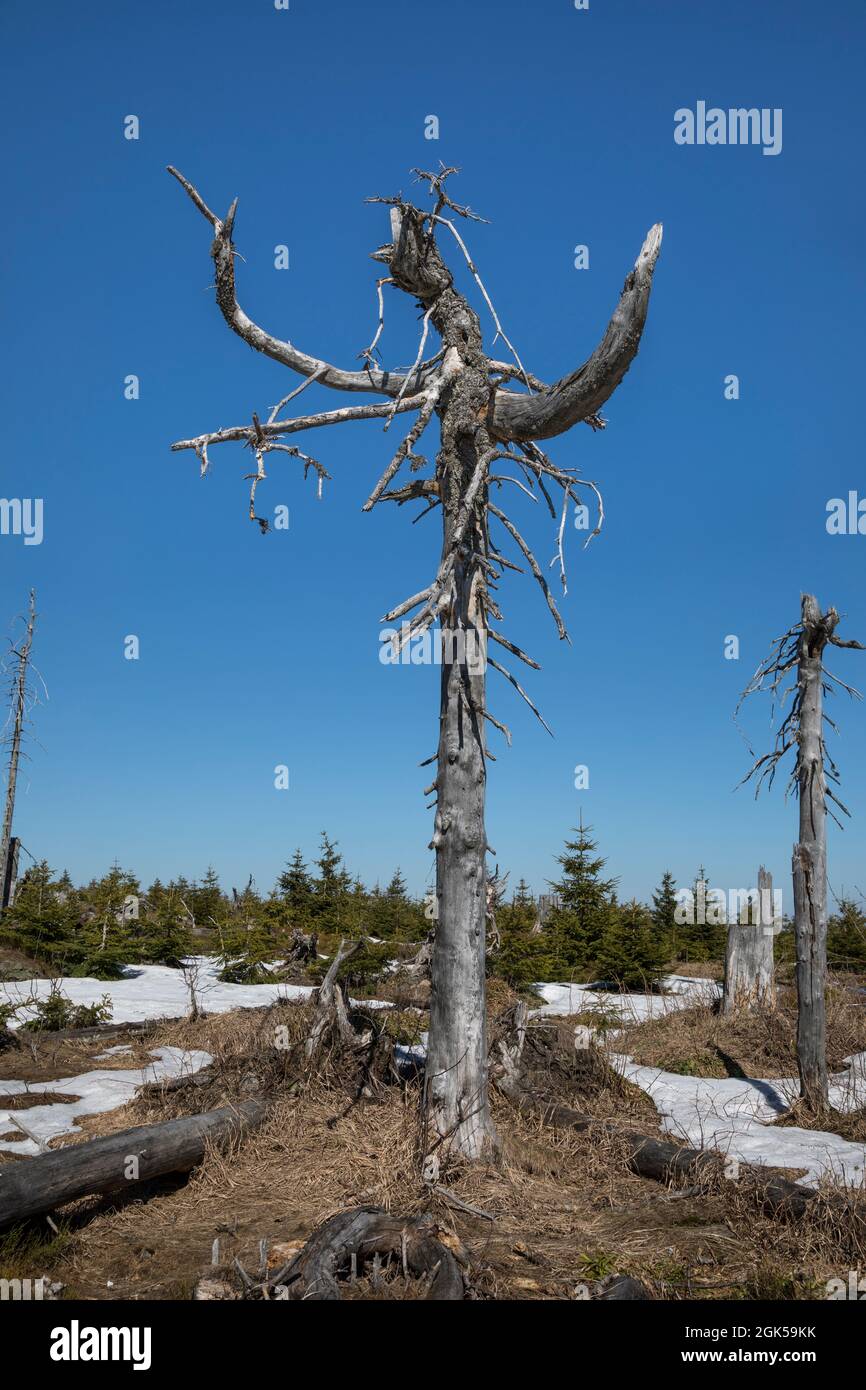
(44, 1057)
(701, 1041)
(567, 1211)
(567, 1208)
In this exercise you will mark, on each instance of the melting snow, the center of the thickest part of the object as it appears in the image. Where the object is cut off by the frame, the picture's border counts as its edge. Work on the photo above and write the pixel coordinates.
(736, 1116)
(681, 992)
(92, 1093)
(732, 1115)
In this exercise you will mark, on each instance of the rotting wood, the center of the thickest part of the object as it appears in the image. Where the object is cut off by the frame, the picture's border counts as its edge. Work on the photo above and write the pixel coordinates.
(118, 1162)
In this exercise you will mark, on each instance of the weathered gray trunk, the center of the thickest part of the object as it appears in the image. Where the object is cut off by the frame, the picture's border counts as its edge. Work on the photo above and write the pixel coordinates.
(19, 701)
(749, 974)
(457, 1100)
(457, 1055)
(809, 866)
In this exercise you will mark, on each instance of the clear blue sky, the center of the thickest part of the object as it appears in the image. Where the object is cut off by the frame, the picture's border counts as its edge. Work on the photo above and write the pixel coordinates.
(257, 651)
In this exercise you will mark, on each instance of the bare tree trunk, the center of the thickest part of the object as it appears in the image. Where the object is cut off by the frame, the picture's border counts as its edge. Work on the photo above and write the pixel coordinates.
(19, 699)
(749, 975)
(457, 1050)
(809, 863)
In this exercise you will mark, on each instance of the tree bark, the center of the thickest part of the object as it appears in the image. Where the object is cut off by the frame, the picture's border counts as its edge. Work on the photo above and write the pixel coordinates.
(19, 701)
(809, 864)
(457, 1049)
(749, 974)
(41, 1184)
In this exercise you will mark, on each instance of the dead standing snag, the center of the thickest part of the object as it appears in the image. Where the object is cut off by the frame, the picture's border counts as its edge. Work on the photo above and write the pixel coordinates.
(22, 699)
(481, 422)
(795, 666)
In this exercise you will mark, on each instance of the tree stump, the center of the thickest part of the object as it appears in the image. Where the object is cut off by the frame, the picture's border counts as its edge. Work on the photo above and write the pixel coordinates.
(749, 972)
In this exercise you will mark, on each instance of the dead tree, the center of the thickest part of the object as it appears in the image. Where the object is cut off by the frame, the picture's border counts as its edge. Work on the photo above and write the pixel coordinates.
(798, 657)
(490, 413)
(21, 699)
(749, 969)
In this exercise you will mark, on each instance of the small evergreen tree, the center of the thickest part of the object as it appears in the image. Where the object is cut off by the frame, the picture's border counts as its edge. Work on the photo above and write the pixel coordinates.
(43, 918)
(245, 951)
(165, 936)
(331, 888)
(633, 951)
(576, 927)
(206, 899)
(523, 956)
(295, 887)
(846, 937)
(704, 939)
(522, 895)
(664, 913)
(393, 915)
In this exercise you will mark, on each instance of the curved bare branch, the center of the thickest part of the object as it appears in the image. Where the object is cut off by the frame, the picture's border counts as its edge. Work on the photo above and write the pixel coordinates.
(371, 378)
(581, 394)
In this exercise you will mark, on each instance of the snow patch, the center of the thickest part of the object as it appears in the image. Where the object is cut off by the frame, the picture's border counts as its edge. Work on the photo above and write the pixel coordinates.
(680, 992)
(736, 1117)
(94, 1093)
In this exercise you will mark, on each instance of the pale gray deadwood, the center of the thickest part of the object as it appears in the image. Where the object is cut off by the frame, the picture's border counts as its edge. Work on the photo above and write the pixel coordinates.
(749, 969)
(38, 1185)
(797, 657)
(17, 719)
(331, 1019)
(480, 422)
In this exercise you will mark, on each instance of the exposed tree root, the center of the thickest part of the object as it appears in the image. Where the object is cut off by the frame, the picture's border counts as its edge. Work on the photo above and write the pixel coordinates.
(356, 1242)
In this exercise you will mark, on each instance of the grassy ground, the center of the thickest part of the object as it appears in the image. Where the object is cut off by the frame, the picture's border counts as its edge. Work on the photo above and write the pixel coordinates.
(704, 1042)
(567, 1209)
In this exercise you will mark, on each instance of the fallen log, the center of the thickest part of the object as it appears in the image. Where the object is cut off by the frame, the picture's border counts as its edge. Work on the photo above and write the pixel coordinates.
(117, 1162)
(664, 1161)
(96, 1030)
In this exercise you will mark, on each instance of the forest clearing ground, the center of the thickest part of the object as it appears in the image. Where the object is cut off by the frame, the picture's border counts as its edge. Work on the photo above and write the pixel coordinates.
(568, 1210)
